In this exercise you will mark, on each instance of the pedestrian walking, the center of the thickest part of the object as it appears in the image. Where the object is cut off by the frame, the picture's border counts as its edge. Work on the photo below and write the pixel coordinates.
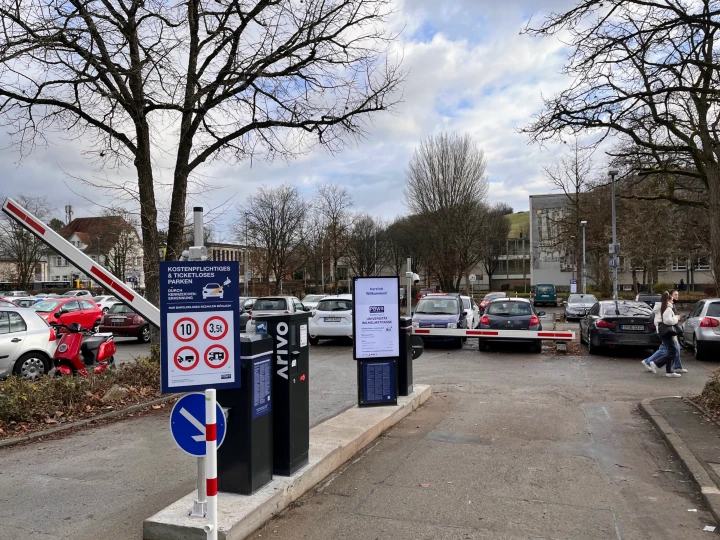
(668, 336)
(677, 363)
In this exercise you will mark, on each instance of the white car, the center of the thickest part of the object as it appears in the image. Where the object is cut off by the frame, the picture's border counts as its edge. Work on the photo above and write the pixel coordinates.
(273, 305)
(78, 292)
(332, 318)
(27, 344)
(212, 290)
(472, 311)
(105, 302)
(12, 295)
(311, 300)
(27, 301)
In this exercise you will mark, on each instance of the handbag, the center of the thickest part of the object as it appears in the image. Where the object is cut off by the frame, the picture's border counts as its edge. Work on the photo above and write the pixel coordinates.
(666, 330)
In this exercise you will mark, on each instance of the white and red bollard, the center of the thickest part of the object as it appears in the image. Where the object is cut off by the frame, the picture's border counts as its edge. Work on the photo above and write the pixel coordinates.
(211, 528)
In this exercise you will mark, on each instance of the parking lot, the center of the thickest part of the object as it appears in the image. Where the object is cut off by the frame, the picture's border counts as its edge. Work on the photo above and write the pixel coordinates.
(555, 408)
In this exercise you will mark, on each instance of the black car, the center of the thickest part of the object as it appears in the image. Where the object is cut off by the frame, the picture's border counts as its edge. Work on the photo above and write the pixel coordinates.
(619, 323)
(649, 299)
(511, 314)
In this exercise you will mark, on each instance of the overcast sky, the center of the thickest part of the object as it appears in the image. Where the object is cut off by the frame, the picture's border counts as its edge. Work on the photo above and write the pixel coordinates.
(470, 71)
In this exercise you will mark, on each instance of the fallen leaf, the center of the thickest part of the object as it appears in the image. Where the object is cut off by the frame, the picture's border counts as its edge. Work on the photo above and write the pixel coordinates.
(50, 421)
(156, 407)
(656, 475)
(425, 485)
(449, 482)
(59, 413)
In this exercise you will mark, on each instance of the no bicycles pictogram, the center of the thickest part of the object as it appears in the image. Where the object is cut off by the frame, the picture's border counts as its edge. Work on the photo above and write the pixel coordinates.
(216, 356)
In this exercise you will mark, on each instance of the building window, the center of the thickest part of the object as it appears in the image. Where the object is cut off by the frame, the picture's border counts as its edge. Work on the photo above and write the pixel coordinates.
(64, 278)
(703, 263)
(679, 265)
(58, 261)
(342, 274)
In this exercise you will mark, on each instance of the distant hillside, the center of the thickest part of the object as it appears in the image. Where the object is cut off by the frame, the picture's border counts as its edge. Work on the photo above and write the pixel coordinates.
(518, 222)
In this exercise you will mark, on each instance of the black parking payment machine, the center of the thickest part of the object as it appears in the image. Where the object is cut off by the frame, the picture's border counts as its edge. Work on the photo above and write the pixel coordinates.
(290, 390)
(377, 335)
(245, 459)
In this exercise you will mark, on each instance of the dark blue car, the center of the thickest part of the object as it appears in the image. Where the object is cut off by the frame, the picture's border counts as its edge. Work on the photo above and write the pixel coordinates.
(440, 311)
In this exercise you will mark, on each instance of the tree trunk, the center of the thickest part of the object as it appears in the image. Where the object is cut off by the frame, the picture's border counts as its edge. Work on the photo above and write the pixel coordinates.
(148, 215)
(713, 176)
(489, 274)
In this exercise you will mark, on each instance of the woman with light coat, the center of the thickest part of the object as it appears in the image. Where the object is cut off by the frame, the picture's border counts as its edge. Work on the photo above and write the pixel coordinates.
(668, 318)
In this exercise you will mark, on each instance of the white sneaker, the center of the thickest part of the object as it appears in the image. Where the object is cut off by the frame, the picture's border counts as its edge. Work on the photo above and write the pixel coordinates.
(673, 375)
(681, 370)
(646, 366)
(653, 367)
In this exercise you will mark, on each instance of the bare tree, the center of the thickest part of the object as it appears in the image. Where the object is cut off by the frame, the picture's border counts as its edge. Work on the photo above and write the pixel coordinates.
(645, 71)
(445, 182)
(125, 244)
(368, 246)
(232, 80)
(494, 240)
(275, 218)
(335, 204)
(19, 245)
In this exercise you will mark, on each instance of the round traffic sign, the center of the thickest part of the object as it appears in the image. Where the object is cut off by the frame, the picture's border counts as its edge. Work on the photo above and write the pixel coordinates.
(216, 356)
(185, 329)
(215, 327)
(472, 277)
(187, 424)
(188, 360)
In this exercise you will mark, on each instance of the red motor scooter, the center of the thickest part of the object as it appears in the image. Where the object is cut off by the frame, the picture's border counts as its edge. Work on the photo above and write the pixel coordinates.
(81, 352)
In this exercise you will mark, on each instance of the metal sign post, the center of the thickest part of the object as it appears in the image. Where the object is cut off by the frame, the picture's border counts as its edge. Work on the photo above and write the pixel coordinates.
(211, 528)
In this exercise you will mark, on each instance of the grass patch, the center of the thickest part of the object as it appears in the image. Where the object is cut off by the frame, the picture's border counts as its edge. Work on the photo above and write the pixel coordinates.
(709, 399)
(29, 406)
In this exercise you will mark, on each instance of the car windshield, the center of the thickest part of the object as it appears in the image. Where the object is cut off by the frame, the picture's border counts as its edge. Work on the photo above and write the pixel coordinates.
(581, 299)
(651, 297)
(270, 304)
(70, 293)
(46, 306)
(312, 298)
(335, 305)
(509, 309)
(714, 310)
(544, 288)
(99, 298)
(626, 309)
(120, 308)
(212, 285)
(437, 306)
(492, 296)
(6, 303)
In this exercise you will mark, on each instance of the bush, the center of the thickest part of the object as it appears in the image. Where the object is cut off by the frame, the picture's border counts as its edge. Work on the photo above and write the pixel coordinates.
(710, 396)
(660, 288)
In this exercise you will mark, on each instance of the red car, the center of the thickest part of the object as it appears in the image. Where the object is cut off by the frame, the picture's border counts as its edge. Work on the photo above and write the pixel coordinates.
(491, 296)
(122, 321)
(423, 292)
(83, 311)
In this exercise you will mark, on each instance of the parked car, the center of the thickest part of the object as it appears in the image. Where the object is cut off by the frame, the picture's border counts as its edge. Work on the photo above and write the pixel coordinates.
(311, 300)
(490, 297)
(83, 311)
(274, 305)
(11, 295)
(649, 299)
(701, 329)
(246, 305)
(511, 314)
(27, 344)
(123, 321)
(424, 292)
(545, 293)
(440, 311)
(333, 317)
(105, 302)
(7, 303)
(472, 311)
(624, 323)
(577, 306)
(26, 302)
(77, 293)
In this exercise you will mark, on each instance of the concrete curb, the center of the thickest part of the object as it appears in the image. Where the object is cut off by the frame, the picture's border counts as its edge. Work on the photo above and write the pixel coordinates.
(332, 443)
(128, 410)
(708, 489)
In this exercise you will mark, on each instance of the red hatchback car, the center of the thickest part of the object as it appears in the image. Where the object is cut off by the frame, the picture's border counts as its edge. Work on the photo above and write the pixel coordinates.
(123, 321)
(83, 311)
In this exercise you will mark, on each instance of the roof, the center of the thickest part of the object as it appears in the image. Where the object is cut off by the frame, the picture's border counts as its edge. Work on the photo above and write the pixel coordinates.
(99, 234)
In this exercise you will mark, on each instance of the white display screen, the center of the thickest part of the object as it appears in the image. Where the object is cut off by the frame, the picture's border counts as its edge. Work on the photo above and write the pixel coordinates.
(376, 317)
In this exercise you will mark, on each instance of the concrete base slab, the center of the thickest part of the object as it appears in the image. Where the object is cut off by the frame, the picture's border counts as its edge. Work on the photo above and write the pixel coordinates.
(332, 443)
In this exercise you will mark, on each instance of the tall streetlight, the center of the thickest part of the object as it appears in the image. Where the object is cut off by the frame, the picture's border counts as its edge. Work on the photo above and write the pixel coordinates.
(584, 275)
(614, 248)
(247, 255)
(574, 255)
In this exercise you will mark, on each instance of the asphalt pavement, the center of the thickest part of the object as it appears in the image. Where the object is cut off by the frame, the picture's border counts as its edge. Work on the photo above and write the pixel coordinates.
(512, 445)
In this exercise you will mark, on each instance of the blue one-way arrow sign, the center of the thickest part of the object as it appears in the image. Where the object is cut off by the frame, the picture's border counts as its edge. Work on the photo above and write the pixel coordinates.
(187, 424)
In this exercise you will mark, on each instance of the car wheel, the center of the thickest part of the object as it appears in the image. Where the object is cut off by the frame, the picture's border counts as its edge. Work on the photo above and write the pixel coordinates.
(697, 350)
(482, 345)
(31, 366)
(458, 343)
(592, 349)
(582, 339)
(536, 347)
(314, 340)
(96, 326)
(681, 340)
(105, 310)
(144, 336)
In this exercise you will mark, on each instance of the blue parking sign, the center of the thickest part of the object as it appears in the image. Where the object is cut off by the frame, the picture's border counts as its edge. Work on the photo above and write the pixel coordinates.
(187, 424)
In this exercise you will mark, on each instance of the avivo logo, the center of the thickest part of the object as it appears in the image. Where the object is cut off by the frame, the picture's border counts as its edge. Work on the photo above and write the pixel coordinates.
(282, 349)
(377, 309)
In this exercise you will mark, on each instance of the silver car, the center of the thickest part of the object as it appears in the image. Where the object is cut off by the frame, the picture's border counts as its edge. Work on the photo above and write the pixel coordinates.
(701, 329)
(311, 300)
(27, 344)
(577, 305)
(273, 305)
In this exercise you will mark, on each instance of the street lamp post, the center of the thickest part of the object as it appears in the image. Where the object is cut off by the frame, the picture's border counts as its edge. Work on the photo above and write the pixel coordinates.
(584, 275)
(247, 254)
(574, 255)
(614, 248)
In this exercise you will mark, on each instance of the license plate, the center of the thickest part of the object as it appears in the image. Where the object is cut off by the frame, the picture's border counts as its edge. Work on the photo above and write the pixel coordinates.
(634, 327)
(332, 319)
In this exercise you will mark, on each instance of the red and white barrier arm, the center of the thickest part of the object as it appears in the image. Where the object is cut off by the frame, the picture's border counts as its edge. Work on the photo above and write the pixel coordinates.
(211, 529)
(96, 272)
(497, 334)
